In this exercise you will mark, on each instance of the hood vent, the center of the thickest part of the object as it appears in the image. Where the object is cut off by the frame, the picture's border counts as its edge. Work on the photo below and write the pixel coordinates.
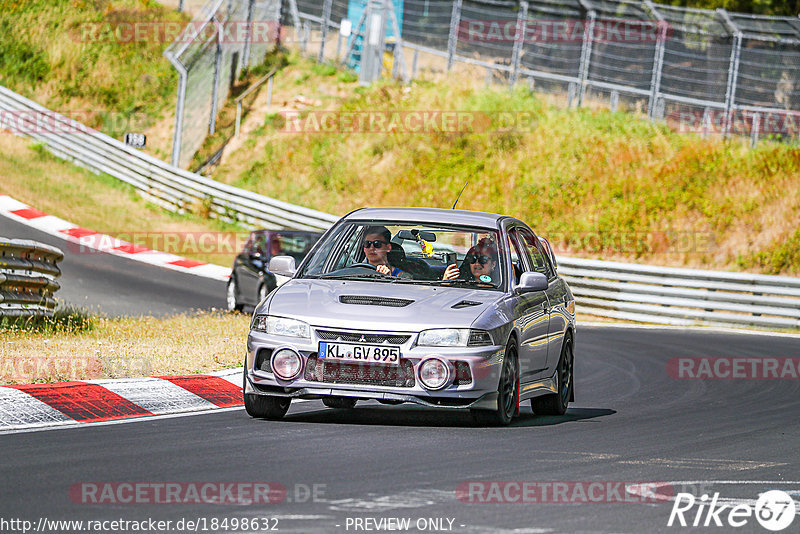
(466, 304)
(374, 301)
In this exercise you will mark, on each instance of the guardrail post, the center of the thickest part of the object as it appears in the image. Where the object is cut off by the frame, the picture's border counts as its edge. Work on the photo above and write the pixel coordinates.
(572, 90)
(733, 70)
(414, 62)
(326, 16)
(248, 44)
(516, 53)
(212, 122)
(452, 39)
(269, 90)
(658, 60)
(586, 55)
(754, 129)
(706, 124)
(614, 101)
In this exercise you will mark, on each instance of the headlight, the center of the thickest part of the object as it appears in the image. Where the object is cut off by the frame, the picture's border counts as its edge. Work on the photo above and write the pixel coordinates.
(434, 373)
(286, 364)
(454, 337)
(281, 326)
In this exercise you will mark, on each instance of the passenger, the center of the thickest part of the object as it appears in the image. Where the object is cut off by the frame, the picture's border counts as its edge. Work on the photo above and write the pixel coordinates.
(377, 244)
(480, 263)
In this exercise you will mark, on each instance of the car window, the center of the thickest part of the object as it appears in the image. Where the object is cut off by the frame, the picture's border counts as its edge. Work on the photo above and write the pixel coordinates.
(516, 255)
(258, 245)
(535, 253)
(292, 244)
(417, 253)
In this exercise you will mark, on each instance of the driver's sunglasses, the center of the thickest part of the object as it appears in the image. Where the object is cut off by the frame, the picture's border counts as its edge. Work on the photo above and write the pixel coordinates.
(377, 243)
(469, 259)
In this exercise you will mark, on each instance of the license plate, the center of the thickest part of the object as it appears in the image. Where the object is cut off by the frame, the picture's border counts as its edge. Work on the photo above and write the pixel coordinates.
(359, 353)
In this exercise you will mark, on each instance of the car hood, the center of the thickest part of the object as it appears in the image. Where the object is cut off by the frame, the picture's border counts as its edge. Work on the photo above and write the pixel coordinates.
(319, 303)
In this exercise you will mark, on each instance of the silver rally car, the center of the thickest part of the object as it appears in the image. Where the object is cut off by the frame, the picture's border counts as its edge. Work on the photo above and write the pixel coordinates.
(443, 308)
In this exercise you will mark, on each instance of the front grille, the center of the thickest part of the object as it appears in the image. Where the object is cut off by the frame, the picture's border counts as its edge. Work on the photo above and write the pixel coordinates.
(374, 301)
(402, 375)
(362, 337)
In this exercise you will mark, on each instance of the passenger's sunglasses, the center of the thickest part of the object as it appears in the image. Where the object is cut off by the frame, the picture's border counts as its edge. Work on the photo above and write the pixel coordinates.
(469, 259)
(377, 243)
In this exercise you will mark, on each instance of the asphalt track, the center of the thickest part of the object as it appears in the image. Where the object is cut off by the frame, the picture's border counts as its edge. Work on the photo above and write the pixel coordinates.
(116, 286)
(631, 422)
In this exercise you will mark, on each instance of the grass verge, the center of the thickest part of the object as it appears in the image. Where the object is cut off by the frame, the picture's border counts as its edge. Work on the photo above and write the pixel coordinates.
(124, 347)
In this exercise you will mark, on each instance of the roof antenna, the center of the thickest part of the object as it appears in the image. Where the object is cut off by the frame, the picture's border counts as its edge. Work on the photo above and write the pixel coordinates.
(459, 196)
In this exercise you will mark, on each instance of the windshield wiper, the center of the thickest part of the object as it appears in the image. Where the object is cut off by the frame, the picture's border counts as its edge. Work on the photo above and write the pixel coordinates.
(458, 281)
(367, 276)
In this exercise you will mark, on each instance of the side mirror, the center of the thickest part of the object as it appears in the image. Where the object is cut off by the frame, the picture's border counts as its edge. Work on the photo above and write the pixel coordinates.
(530, 281)
(283, 265)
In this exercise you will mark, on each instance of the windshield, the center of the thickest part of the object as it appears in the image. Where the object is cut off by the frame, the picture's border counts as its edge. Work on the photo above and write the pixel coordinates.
(401, 252)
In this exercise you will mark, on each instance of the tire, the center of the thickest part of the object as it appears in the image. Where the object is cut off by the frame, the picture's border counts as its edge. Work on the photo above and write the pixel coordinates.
(265, 407)
(557, 403)
(507, 393)
(232, 301)
(342, 403)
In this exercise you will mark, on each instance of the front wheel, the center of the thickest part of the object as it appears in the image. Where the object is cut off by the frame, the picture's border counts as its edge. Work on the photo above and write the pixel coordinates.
(507, 393)
(264, 407)
(232, 301)
(556, 403)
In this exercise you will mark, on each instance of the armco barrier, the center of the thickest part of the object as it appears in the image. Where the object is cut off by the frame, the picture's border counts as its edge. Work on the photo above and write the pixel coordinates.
(164, 184)
(27, 277)
(607, 289)
(682, 296)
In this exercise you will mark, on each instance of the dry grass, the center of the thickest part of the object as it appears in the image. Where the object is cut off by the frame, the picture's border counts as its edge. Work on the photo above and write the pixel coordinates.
(126, 347)
(32, 175)
(605, 185)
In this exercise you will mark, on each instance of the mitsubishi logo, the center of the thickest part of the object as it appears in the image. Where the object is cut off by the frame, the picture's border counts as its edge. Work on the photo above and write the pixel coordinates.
(363, 339)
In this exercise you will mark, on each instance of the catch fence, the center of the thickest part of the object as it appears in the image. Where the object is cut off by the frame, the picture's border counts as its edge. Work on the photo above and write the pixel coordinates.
(703, 71)
(225, 37)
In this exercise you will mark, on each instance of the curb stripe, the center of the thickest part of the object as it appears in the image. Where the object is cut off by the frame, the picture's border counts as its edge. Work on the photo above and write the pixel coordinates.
(29, 213)
(214, 389)
(88, 241)
(84, 402)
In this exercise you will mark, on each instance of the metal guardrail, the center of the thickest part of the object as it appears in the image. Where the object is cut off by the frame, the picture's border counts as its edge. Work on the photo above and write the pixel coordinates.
(168, 186)
(28, 272)
(666, 295)
(608, 289)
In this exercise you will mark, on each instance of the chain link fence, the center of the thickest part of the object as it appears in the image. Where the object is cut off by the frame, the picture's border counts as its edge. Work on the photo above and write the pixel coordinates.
(225, 37)
(703, 71)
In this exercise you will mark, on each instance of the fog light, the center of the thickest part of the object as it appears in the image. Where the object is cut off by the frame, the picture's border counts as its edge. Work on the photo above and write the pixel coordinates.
(434, 373)
(286, 364)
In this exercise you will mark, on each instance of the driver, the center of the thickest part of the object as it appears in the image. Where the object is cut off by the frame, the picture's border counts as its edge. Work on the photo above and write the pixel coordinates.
(377, 244)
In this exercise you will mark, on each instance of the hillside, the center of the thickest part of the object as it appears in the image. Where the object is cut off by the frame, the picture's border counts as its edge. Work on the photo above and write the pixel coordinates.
(600, 184)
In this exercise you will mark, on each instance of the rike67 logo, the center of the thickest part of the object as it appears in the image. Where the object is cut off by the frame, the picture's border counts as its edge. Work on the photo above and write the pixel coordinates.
(774, 510)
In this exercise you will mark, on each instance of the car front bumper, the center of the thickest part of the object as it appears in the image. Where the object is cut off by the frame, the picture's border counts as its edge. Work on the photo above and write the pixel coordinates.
(480, 392)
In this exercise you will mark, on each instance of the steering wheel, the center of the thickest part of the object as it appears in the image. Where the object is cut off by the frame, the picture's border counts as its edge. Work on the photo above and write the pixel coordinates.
(367, 265)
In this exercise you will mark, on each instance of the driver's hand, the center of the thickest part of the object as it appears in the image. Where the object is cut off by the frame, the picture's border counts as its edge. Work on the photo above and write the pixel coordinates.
(451, 273)
(383, 269)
